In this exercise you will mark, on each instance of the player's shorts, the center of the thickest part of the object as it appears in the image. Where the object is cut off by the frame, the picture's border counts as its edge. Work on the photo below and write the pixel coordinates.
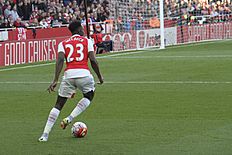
(68, 87)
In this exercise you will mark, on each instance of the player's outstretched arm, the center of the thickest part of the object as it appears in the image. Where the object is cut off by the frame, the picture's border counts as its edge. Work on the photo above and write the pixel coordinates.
(59, 66)
(95, 66)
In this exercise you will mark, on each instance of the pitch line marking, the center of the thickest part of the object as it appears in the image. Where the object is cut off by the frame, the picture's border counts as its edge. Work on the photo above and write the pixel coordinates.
(24, 67)
(170, 56)
(52, 63)
(128, 82)
(114, 55)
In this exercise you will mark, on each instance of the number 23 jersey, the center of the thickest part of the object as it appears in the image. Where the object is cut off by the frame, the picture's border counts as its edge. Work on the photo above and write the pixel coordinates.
(76, 50)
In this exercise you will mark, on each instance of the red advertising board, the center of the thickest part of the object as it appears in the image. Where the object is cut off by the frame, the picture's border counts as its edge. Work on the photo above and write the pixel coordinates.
(39, 33)
(28, 51)
(204, 32)
(41, 45)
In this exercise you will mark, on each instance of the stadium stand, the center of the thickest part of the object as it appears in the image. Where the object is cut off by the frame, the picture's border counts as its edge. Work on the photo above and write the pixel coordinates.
(24, 13)
(143, 14)
(127, 14)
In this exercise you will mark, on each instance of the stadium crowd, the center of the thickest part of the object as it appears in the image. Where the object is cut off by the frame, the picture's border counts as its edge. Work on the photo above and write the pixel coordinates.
(125, 13)
(142, 14)
(24, 13)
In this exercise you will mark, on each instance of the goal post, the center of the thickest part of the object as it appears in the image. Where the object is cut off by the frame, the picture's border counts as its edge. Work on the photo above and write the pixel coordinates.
(162, 45)
(140, 24)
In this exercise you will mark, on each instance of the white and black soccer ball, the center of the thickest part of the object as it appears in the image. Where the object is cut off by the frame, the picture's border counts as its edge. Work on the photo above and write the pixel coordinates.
(79, 129)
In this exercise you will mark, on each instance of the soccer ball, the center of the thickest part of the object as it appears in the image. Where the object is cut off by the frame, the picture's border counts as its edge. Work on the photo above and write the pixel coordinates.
(79, 129)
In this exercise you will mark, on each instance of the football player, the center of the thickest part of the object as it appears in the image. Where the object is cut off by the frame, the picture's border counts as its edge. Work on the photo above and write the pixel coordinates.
(76, 51)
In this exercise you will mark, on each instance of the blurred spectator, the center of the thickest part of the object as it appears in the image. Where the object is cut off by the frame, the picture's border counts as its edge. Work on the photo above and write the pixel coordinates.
(1, 19)
(127, 24)
(10, 22)
(7, 11)
(27, 9)
(4, 23)
(214, 12)
(18, 23)
(14, 13)
(1, 6)
(20, 9)
(5, 6)
(43, 23)
(40, 5)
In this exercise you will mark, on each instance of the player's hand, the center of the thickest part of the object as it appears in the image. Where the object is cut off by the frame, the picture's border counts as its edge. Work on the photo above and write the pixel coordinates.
(52, 87)
(101, 80)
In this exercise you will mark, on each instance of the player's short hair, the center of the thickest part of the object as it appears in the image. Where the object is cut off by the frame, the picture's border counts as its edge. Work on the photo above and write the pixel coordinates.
(74, 26)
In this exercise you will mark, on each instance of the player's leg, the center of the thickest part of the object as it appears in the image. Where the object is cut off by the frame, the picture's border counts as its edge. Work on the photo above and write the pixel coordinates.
(53, 115)
(81, 105)
(86, 85)
(66, 91)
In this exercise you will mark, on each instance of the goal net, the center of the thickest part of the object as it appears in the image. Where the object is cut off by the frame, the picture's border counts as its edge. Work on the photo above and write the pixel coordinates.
(139, 24)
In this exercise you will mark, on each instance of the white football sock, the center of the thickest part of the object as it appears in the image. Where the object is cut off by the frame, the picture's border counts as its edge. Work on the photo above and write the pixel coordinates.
(81, 106)
(54, 113)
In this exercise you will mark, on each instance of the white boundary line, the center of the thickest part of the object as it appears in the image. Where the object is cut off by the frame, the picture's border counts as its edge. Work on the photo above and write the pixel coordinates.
(28, 66)
(128, 82)
(117, 54)
(174, 56)
(121, 54)
(198, 43)
(126, 53)
(115, 57)
(52, 63)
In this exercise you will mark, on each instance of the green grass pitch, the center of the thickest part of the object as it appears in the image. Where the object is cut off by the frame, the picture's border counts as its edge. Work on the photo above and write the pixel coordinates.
(175, 101)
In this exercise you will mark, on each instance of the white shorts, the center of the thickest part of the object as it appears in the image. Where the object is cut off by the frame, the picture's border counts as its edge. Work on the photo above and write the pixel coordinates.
(68, 87)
